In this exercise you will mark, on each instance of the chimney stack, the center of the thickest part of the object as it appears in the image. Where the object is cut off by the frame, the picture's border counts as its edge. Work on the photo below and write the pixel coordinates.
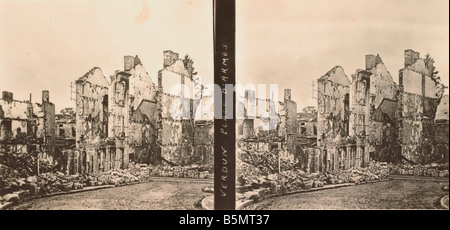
(370, 61)
(175, 57)
(7, 96)
(411, 56)
(45, 96)
(168, 58)
(128, 62)
(287, 94)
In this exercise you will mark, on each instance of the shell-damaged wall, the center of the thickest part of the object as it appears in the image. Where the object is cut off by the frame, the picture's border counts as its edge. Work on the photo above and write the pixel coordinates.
(182, 140)
(91, 117)
(332, 103)
(419, 97)
(257, 132)
(176, 134)
(24, 124)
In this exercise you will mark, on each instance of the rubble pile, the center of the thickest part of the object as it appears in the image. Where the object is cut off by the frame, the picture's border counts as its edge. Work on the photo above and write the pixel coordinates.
(193, 171)
(253, 182)
(429, 170)
(24, 163)
(265, 161)
(15, 188)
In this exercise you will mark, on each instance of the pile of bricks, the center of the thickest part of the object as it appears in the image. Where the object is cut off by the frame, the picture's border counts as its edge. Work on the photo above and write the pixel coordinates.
(14, 188)
(253, 183)
(430, 170)
(181, 171)
(266, 161)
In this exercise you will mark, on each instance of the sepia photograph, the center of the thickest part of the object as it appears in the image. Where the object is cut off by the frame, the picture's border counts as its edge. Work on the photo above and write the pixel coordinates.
(92, 113)
(343, 104)
(224, 104)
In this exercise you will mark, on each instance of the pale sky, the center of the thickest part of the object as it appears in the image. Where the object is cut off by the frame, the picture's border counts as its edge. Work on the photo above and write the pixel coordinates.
(45, 45)
(294, 42)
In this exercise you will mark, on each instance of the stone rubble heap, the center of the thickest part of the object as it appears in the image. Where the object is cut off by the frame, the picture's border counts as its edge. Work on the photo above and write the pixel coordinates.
(265, 161)
(253, 182)
(429, 170)
(14, 188)
(193, 171)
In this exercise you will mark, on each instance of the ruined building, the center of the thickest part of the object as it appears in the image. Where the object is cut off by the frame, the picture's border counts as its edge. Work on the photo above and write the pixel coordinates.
(371, 117)
(334, 149)
(175, 135)
(65, 137)
(419, 95)
(65, 130)
(374, 106)
(266, 133)
(92, 125)
(26, 127)
(130, 117)
(307, 127)
(357, 118)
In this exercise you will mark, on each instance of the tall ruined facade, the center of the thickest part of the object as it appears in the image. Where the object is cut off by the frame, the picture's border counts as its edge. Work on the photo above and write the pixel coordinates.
(419, 95)
(372, 117)
(94, 151)
(374, 98)
(175, 134)
(131, 118)
(334, 149)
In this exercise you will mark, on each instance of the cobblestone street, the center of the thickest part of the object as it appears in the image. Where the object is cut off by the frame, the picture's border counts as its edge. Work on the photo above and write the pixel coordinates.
(393, 194)
(156, 195)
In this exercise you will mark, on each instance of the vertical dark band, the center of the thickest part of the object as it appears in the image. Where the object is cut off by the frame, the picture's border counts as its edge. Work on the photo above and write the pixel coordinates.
(224, 127)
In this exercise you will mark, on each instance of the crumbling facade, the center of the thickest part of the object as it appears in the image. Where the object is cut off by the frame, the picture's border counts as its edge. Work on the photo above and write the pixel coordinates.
(92, 145)
(371, 117)
(334, 149)
(382, 114)
(307, 129)
(131, 118)
(26, 127)
(419, 95)
(65, 137)
(274, 128)
(357, 119)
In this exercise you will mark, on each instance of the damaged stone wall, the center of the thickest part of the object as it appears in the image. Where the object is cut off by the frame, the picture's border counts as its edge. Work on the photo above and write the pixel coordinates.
(290, 125)
(91, 114)
(176, 135)
(382, 126)
(419, 95)
(332, 98)
(307, 122)
(442, 129)
(342, 122)
(91, 123)
(142, 134)
(306, 133)
(130, 117)
(382, 84)
(262, 133)
(15, 117)
(26, 127)
(66, 124)
(204, 142)
(359, 119)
